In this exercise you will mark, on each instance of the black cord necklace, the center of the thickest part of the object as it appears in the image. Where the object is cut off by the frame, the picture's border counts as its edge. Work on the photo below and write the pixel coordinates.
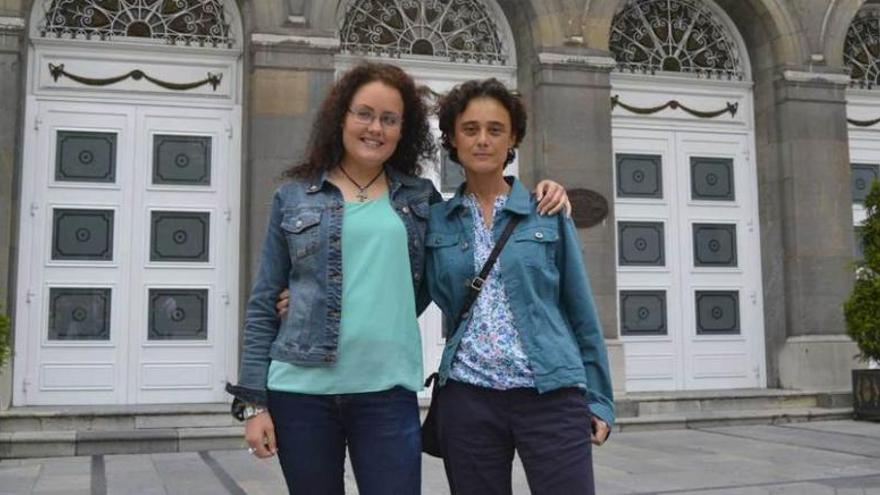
(362, 190)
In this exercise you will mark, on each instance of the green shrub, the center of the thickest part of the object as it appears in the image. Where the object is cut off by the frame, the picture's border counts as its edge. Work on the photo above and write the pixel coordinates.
(862, 309)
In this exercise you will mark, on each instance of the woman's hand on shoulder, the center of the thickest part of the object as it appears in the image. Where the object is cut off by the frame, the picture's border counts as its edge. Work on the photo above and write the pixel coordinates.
(259, 433)
(552, 198)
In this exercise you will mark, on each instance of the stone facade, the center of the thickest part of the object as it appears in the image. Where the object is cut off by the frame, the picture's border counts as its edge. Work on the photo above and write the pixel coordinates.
(11, 31)
(563, 70)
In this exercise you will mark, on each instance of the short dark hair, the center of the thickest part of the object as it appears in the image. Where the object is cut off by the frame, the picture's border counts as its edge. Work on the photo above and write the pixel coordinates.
(453, 104)
(325, 149)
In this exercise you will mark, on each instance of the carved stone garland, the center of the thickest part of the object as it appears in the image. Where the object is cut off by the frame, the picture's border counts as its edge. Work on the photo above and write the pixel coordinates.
(177, 22)
(650, 36)
(861, 48)
(456, 30)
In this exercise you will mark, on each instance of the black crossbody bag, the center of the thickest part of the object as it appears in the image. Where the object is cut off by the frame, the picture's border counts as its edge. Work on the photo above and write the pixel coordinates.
(430, 429)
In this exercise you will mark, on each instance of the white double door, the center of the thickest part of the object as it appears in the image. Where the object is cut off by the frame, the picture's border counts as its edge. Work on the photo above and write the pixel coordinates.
(864, 156)
(688, 257)
(128, 272)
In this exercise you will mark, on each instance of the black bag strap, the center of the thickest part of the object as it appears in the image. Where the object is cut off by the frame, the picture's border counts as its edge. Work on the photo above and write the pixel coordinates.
(478, 281)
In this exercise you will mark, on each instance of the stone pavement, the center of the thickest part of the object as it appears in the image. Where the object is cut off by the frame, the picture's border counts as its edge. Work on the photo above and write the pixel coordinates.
(832, 457)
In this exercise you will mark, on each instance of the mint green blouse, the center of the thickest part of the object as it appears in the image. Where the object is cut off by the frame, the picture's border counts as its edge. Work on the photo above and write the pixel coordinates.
(380, 345)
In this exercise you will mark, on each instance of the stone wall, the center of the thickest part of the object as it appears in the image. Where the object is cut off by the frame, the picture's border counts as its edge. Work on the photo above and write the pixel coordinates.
(10, 125)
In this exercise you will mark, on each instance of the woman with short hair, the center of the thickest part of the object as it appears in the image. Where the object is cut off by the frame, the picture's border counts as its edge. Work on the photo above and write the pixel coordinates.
(525, 370)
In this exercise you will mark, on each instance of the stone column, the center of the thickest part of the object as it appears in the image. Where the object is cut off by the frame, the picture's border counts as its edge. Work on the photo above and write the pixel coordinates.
(289, 78)
(11, 31)
(816, 215)
(569, 140)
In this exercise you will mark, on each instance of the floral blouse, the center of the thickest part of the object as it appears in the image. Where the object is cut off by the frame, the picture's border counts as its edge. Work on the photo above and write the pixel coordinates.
(490, 353)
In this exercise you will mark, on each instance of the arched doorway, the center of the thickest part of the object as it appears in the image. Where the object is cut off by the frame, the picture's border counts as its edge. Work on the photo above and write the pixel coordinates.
(128, 269)
(686, 203)
(863, 109)
(441, 44)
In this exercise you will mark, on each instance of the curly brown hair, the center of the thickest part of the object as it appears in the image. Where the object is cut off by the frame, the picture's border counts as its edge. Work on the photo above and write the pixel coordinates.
(325, 149)
(454, 103)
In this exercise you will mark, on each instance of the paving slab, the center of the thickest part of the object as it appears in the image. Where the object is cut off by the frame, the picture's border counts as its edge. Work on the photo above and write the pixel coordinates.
(133, 474)
(18, 478)
(187, 473)
(860, 429)
(832, 441)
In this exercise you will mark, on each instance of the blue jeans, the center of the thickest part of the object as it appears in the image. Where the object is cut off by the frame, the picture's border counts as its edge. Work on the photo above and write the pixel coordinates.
(381, 430)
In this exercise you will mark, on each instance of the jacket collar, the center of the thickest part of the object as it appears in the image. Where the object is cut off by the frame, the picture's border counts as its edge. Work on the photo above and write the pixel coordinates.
(519, 200)
(397, 179)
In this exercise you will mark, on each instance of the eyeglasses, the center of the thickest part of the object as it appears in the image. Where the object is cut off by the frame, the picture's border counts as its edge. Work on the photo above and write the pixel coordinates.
(366, 116)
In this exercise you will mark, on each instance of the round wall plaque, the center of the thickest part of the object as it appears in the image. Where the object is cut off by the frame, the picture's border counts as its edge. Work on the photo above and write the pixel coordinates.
(588, 208)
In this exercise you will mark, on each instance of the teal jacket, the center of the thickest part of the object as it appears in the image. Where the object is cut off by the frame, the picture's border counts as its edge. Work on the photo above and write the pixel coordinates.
(546, 282)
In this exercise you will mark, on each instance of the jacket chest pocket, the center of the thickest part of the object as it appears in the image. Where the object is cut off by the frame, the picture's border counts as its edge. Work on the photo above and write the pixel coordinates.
(449, 254)
(302, 230)
(536, 246)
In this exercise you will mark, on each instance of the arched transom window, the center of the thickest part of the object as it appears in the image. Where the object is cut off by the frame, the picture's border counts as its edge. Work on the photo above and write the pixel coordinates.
(454, 30)
(177, 22)
(861, 47)
(685, 36)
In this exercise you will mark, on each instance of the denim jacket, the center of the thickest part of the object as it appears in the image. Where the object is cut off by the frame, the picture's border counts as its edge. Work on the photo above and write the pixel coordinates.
(546, 282)
(302, 251)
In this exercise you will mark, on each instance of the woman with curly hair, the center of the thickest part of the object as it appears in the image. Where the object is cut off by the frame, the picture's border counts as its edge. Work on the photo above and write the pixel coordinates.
(525, 370)
(346, 237)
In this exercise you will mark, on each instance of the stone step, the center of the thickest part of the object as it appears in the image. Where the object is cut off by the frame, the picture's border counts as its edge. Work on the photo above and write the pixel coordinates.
(63, 443)
(90, 430)
(683, 403)
(155, 440)
(711, 419)
(115, 418)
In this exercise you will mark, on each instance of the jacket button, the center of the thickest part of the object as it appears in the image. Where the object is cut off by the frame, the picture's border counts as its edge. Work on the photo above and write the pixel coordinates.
(539, 235)
(405, 209)
(464, 245)
(313, 188)
(299, 223)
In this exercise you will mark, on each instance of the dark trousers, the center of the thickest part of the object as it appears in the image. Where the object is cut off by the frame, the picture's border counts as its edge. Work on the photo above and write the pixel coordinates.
(381, 430)
(480, 428)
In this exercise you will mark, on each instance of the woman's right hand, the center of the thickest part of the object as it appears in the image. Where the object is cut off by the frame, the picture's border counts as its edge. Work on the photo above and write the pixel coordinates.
(282, 303)
(259, 432)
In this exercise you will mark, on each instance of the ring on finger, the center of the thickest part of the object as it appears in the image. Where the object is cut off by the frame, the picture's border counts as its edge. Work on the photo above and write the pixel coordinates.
(251, 450)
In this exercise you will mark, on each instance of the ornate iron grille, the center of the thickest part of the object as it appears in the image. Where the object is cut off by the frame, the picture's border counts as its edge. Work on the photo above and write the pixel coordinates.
(650, 36)
(861, 48)
(177, 22)
(457, 30)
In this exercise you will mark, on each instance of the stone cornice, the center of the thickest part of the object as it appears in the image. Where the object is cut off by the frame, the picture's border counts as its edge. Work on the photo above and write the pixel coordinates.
(312, 42)
(11, 24)
(800, 76)
(592, 61)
